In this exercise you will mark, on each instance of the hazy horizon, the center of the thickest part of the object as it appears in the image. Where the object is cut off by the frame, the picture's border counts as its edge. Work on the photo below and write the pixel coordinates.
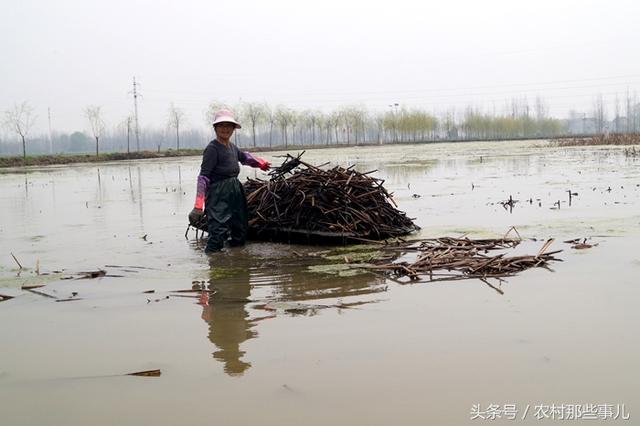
(68, 55)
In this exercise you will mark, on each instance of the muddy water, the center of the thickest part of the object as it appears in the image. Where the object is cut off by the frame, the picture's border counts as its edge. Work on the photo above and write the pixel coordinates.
(282, 334)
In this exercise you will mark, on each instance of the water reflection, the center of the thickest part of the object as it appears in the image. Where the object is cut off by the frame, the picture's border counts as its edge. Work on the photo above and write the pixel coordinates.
(99, 197)
(140, 198)
(133, 196)
(224, 309)
(261, 281)
(401, 173)
(53, 192)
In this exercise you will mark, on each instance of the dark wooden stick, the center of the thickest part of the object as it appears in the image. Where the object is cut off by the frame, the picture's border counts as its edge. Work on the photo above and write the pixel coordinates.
(14, 258)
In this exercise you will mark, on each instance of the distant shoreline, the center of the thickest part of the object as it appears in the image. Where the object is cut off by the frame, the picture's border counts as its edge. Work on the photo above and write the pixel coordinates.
(61, 159)
(58, 159)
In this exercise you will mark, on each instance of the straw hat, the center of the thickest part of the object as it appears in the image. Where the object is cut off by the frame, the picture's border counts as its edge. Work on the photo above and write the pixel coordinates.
(225, 116)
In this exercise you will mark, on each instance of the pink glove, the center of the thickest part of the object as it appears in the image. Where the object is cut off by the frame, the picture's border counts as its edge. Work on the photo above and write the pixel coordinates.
(253, 161)
(265, 165)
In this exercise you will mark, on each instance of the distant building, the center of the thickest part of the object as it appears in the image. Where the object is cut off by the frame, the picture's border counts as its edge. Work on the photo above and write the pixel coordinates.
(618, 124)
(579, 124)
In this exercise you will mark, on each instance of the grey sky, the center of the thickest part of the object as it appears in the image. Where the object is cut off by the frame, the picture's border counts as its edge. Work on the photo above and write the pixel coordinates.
(69, 54)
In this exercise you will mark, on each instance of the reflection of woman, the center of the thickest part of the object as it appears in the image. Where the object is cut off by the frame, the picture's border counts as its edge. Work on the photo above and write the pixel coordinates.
(229, 324)
(224, 305)
(225, 203)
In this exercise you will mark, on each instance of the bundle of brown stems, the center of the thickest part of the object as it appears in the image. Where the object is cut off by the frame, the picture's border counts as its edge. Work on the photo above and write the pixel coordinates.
(444, 259)
(300, 196)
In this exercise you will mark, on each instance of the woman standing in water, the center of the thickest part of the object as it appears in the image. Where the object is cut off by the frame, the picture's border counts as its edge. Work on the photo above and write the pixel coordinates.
(219, 188)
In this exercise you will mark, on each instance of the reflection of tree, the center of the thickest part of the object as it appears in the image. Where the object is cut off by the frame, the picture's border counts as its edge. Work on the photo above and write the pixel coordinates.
(229, 323)
(401, 173)
(305, 286)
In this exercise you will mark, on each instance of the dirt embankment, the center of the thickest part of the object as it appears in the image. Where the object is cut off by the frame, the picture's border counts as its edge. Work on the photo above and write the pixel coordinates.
(608, 139)
(46, 160)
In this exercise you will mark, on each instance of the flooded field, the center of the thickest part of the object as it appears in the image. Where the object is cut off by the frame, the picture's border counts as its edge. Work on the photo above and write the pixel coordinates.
(286, 334)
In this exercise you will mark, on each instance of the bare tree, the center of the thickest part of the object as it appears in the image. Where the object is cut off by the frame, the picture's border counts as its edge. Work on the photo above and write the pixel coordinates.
(176, 117)
(270, 116)
(335, 119)
(599, 113)
(284, 117)
(635, 112)
(541, 109)
(255, 113)
(345, 115)
(126, 124)
(211, 110)
(293, 121)
(304, 120)
(391, 124)
(358, 117)
(314, 119)
(20, 119)
(631, 110)
(94, 115)
(379, 120)
(329, 125)
(628, 111)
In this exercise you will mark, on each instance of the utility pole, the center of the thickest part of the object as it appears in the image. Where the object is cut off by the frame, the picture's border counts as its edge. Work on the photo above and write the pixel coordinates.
(128, 134)
(50, 140)
(135, 109)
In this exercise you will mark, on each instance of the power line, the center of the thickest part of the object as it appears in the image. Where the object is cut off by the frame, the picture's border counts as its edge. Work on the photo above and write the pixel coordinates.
(416, 90)
(449, 98)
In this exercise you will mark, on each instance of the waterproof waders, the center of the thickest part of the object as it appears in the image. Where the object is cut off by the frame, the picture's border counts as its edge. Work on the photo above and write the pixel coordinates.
(226, 208)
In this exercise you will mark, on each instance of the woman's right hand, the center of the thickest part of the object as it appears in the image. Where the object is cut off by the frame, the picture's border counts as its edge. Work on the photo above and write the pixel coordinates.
(195, 216)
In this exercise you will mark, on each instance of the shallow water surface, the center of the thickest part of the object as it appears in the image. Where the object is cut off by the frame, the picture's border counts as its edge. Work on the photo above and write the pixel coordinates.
(285, 334)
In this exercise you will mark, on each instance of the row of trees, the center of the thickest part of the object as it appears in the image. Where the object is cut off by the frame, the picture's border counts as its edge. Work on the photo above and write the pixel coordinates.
(268, 126)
